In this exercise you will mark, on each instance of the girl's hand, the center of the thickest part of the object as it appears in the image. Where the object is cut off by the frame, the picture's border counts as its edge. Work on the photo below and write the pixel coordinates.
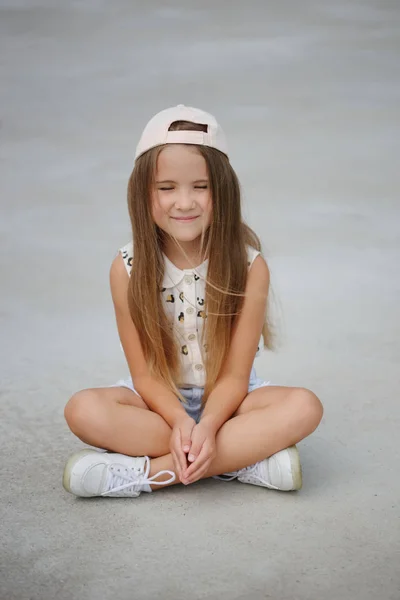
(202, 452)
(180, 443)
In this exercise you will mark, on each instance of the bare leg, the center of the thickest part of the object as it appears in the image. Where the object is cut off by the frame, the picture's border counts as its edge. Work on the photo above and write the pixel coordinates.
(118, 420)
(269, 419)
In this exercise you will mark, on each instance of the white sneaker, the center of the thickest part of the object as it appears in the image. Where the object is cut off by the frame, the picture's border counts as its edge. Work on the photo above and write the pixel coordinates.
(91, 473)
(281, 471)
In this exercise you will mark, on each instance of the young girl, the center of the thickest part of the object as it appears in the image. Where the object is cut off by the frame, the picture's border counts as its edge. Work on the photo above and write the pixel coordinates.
(190, 297)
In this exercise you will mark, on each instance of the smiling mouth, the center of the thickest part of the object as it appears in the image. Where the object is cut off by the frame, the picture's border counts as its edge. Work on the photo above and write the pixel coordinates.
(185, 218)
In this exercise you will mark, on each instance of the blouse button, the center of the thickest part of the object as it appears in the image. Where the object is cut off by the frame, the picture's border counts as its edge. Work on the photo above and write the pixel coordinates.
(190, 310)
(199, 367)
(187, 279)
(191, 337)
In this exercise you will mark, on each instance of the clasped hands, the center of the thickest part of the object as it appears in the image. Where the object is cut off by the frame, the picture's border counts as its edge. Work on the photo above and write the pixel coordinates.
(192, 447)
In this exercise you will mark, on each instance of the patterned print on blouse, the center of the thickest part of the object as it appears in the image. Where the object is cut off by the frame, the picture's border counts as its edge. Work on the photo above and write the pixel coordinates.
(128, 260)
(189, 286)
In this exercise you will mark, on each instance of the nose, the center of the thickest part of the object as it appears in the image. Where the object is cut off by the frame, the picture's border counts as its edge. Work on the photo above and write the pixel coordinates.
(184, 200)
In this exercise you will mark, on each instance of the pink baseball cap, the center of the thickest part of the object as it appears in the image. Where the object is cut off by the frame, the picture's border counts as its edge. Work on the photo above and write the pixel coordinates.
(156, 131)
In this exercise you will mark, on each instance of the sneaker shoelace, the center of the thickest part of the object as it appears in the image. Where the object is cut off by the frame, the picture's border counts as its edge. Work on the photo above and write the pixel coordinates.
(252, 472)
(227, 476)
(130, 479)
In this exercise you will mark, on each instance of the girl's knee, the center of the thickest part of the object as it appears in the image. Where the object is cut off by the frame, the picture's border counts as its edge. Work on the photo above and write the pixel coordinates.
(309, 405)
(81, 410)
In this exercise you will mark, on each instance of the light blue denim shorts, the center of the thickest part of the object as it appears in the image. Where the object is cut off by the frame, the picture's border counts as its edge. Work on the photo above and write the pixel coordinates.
(194, 394)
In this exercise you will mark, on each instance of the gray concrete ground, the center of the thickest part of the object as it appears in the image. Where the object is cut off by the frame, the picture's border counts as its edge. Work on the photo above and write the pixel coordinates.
(308, 93)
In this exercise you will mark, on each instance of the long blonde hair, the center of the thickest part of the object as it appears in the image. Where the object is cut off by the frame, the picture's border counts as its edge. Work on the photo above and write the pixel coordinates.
(224, 243)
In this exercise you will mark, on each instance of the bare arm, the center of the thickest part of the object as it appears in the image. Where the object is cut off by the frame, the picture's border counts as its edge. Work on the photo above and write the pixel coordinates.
(155, 394)
(232, 385)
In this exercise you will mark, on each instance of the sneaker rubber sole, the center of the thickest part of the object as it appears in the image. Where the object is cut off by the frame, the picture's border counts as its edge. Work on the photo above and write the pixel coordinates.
(71, 462)
(295, 465)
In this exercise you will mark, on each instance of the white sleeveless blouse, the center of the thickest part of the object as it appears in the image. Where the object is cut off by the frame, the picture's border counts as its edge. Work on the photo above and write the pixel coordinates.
(183, 293)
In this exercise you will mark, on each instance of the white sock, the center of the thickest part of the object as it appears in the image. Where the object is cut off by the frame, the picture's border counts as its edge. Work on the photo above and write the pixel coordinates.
(146, 487)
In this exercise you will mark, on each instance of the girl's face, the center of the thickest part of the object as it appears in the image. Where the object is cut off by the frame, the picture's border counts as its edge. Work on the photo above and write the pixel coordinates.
(181, 198)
